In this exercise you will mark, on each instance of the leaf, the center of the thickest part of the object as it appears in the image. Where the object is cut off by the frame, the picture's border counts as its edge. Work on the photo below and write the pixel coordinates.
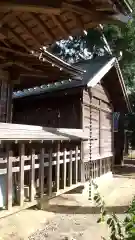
(99, 220)
(104, 213)
(128, 227)
(109, 220)
(127, 219)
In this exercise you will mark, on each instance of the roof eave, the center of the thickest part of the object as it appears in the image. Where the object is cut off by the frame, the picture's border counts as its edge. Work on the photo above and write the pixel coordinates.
(123, 85)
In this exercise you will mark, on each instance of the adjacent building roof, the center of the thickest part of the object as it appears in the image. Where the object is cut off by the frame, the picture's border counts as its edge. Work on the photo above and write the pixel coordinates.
(93, 72)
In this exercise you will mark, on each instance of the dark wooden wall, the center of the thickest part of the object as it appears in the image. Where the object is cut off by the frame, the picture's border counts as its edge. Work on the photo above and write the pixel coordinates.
(3, 100)
(97, 120)
(61, 110)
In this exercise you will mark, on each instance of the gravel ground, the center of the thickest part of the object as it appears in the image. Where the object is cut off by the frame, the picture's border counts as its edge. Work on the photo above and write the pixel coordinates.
(71, 227)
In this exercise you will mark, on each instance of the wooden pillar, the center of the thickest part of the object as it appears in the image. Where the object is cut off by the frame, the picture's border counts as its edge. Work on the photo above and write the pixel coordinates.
(4, 79)
(41, 172)
(64, 170)
(58, 168)
(81, 164)
(9, 178)
(76, 166)
(32, 174)
(21, 173)
(70, 169)
(50, 174)
(9, 102)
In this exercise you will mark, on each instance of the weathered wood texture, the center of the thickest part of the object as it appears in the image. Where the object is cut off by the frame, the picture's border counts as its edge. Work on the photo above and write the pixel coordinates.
(59, 111)
(16, 132)
(3, 100)
(97, 122)
(119, 140)
(34, 169)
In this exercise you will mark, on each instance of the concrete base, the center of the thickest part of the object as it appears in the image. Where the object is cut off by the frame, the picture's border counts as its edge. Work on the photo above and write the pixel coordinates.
(99, 181)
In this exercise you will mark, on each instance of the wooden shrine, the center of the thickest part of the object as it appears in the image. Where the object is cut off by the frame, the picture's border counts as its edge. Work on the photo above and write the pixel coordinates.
(48, 160)
(88, 104)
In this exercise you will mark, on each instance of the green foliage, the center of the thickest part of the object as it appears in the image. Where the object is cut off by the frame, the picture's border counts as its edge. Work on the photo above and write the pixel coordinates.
(121, 38)
(124, 230)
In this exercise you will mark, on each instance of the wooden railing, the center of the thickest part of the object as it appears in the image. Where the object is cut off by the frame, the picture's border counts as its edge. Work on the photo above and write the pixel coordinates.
(36, 161)
(96, 168)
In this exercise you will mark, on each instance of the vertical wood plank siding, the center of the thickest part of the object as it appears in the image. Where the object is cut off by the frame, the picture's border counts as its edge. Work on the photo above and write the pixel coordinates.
(97, 121)
(3, 100)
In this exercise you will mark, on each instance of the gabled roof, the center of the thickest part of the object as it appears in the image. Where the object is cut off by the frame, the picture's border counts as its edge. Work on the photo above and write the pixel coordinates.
(95, 70)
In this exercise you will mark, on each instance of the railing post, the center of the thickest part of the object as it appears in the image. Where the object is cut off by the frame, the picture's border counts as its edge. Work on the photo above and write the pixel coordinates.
(50, 174)
(58, 168)
(70, 169)
(76, 166)
(64, 175)
(32, 174)
(21, 173)
(82, 177)
(9, 178)
(41, 171)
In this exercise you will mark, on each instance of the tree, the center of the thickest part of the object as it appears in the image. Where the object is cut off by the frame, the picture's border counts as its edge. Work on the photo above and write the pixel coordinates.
(121, 38)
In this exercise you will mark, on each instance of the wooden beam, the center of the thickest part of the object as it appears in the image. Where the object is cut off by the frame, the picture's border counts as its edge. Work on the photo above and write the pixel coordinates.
(4, 41)
(26, 29)
(57, 21)
(19, 40)
(96, 16)
(5, 17)
(77, 9)
(19, 64)
(9, 179)
(16, 52)
(36, 6)
(32, 175)
(2, 57)
(21, 174)
(42, 26)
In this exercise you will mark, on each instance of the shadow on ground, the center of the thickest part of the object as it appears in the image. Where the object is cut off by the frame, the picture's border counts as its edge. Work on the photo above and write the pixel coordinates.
(126, 171)
(84, 210)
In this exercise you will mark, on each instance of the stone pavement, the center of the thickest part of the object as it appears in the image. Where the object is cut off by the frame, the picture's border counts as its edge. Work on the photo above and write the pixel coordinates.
(71, 216)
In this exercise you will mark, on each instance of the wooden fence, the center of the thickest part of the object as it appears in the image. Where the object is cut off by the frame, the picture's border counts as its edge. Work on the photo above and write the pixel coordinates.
(39, 169)
(34, 168)
(96, 168)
